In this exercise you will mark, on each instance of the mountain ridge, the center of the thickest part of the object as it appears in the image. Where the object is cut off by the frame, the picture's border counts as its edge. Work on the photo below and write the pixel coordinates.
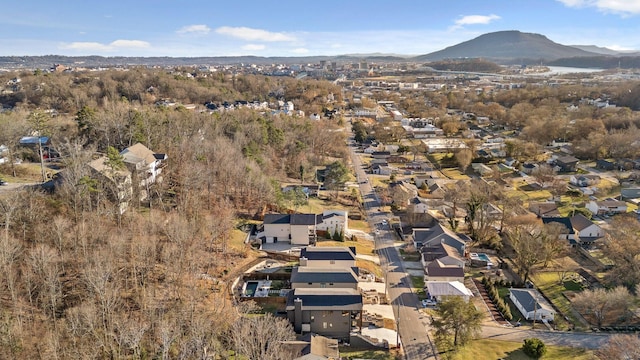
(507, 46)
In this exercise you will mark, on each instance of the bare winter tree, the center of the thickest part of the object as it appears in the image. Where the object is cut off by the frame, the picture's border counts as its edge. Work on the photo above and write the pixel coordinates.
(604, 306)
(261, 337)
(620, 347)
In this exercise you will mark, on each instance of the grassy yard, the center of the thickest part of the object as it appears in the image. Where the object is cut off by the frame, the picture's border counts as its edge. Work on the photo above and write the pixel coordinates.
(349, 354)
(361, 225)
(496, 349)
(548, 283)
(363, 247)
(370, 267)
(417, 283)
(409, 255)
(26, 172)
(454, 174)
(236, 240)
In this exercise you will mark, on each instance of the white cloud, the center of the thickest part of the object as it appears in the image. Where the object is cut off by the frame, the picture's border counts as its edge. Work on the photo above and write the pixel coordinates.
(86, 46)
(253, 47)
(250, 34)
(99, 47)
(622, 7)
(474, 20)
(129, 44)
(194, 29)
(300, 51)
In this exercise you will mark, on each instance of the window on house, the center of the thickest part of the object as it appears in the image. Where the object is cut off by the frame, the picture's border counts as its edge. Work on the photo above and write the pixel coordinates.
(330, 284)
(324, 325)
(309, 283)
(332, 262)
(323, 285)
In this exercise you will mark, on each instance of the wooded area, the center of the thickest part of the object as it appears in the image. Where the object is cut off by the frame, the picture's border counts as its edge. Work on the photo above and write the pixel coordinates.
(81, 281)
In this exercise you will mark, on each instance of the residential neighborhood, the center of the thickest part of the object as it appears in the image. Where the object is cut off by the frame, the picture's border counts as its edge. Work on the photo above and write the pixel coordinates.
(343, 209)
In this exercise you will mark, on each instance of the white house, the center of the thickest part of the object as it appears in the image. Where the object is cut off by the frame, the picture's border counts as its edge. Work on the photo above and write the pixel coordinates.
(532, 305)
(607, 207)
(334, 220)
(586, 231)
(443, 289)
(417, 205)
(297, 229)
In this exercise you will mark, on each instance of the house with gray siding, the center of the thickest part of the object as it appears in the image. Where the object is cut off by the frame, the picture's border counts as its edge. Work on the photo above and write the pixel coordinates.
(334, 313)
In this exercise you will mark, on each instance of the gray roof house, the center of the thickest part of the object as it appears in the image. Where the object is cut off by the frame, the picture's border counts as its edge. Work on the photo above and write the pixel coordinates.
(532, 305)
(436, 234)
(331, 312)
(321, 277)
(321, 256)
(297, 229)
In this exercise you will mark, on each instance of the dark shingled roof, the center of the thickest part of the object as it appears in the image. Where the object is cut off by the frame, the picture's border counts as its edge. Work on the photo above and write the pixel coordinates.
(325, 298)
(580, 222)
(564, 221)
(306, 219)
(276, 219)
(436, 268)
(293, 219)
(305, 274)
(528, 302)
(328, 253)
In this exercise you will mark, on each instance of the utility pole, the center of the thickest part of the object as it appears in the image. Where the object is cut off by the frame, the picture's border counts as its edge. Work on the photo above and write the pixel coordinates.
(535, 310)
(398, 325)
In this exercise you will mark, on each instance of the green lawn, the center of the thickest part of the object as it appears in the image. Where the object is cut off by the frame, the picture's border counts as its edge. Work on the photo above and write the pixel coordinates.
(417, 283)
(496, 349)
(548, 283)
(349, 354)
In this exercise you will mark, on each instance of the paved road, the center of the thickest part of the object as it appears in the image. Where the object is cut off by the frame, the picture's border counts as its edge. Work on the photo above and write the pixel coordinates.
(560, 338)
(412, 324)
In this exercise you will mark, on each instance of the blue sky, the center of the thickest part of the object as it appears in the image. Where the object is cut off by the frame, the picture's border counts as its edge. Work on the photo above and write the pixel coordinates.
(301, 28)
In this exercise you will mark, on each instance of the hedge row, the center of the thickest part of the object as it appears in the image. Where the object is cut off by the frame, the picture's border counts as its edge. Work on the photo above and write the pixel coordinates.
(492, 291)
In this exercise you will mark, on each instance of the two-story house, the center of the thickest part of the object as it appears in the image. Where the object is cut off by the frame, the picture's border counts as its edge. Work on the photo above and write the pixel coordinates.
(325, 298)
(145, 166)
(576, 229)
(607, 207)
(297, 229)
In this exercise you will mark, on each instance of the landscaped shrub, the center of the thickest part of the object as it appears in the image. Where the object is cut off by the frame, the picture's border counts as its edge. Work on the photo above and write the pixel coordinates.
(494, 295)
(534, 348)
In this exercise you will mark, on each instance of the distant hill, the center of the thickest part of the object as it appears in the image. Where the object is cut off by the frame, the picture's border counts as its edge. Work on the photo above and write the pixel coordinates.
(599, 62)
(47, 61)
(507, 47)
(597, 49)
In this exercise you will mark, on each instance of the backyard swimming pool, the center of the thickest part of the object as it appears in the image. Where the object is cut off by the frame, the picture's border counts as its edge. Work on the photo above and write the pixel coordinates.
(481, 257)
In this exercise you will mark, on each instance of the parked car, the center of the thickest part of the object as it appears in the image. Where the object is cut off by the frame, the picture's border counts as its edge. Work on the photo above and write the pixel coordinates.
(428, 302)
